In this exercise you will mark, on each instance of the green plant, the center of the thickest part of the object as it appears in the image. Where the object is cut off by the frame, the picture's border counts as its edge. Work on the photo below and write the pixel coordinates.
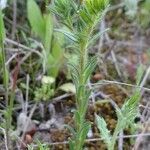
(9, 93)
(144, 14)
(125, 115)
(40, 146)
(42, 26)
(2, 52)
(80, 20)
(131, 7)
(46, 90)
(9, 106)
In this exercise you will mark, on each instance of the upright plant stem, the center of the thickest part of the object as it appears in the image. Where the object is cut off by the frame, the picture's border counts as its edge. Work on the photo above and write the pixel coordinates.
(5, 82)
(7, 112)
(9, 101)
(114, 137)
(81, 107)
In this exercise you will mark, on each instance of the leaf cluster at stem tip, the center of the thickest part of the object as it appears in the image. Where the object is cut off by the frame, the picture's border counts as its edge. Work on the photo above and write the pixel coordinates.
(80, 19)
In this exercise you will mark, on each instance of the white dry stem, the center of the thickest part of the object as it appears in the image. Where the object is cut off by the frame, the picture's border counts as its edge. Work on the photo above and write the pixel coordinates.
(5, 138)
(96, 139)
(19, 98)
(27, 93)
(41, 108)
(52, 111)
(113, 56)
(145, 78)
(139, 138)
(23, 46)
(102, 28)
(120, 141)
(92, 93)
(11, 58)
(25, 122)
(103, 82)
(146, 108)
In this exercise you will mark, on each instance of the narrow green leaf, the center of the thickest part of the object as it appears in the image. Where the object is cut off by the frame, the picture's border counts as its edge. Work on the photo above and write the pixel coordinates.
(2, 29)
(70, 35)
(86, 100)
(75, 80)
(86, 17)
(105, 133)
(36, 19)
(77, 118)
(96, 37)
(84, 132)
(139, 74)
(2, 52)
(74, 74)
(71, 145)
(50, 64)
(2, 36)
(130, 108)
(57, 53)
(57, 46)
(48, 32)
(70, 129)
(90, 66)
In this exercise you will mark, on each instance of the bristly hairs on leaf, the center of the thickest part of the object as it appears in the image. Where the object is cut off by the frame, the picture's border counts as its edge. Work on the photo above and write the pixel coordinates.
(80, 19)
(125, 115)
(105, 133)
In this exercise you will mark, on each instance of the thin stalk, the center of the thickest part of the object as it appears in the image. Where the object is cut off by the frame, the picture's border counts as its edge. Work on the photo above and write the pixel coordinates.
(81, 107)
(5, 82)
(115, 136)
(9, 102)
(10, 109)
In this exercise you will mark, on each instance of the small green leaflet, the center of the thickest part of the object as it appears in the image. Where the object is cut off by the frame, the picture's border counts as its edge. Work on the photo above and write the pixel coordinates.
(102, 126)
(36, 19)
